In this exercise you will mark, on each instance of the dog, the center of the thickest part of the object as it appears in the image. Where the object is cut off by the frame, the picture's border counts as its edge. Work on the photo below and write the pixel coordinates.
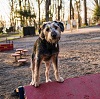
(46, 49)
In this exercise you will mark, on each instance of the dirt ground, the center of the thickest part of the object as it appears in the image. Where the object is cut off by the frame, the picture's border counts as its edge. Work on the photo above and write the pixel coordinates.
(79, 55)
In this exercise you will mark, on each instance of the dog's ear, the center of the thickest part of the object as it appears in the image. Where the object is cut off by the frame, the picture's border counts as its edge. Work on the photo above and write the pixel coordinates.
(61, 25)
(43, 26)
(39, 30)
(41, 34)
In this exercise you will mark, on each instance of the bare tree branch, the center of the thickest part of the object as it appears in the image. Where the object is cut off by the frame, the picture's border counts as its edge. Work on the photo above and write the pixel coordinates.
(96, 2)
(41, 1)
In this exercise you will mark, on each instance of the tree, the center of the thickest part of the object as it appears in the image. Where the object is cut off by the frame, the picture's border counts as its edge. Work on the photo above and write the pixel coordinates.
(97, 13)
(59, 8)
(47, 12)
(78, 12)
(25, 12)
(85, 12)
(71, 10)
(20, 5)
(96, 2)
(39, 3)
(12, 13)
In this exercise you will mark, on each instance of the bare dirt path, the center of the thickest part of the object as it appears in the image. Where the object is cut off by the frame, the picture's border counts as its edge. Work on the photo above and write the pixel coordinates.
(79, 55)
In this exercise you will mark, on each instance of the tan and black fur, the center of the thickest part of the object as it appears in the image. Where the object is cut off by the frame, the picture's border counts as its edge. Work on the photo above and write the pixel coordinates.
(46, 49)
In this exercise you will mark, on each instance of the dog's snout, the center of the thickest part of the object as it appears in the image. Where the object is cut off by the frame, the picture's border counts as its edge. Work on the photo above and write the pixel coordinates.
(54, 34)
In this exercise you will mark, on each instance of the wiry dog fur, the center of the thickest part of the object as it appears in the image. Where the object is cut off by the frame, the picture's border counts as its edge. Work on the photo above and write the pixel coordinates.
(46, 48)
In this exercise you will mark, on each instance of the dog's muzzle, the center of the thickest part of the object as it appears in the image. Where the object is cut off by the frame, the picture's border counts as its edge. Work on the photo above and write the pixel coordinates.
(54, 35)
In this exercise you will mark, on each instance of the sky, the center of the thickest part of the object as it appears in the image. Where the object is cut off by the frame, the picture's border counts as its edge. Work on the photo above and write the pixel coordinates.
(5, 8)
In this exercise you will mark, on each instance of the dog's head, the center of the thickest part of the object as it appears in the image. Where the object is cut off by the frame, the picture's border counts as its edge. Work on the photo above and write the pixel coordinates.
(51, 31)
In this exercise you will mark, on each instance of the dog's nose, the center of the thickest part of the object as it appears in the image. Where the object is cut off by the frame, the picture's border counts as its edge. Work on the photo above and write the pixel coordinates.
(54, 34)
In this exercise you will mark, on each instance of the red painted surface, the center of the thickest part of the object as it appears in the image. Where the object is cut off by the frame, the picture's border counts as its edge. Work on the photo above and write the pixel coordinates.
(85, 87)
(5, 47)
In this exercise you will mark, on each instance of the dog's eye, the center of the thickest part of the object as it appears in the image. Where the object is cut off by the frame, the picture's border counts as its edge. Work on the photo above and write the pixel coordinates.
(47, 29)
(56, 27)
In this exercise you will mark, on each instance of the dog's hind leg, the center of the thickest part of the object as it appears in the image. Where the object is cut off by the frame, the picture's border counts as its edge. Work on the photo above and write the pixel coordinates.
(55, 66)
(47, 71)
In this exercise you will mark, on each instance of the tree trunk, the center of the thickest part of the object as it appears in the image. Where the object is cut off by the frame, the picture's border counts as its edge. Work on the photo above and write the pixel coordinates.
(59, 8)
(78, 13)
(85, 13)
(39, 11)
(47, 4)
(72, 12)
(47, 10)
(58, 11)
(79, 20)
(70, 9)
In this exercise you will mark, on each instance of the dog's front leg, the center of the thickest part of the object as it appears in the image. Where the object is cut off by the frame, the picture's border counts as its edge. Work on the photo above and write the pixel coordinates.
(35, 65)
(47, 71)
(55, 66)
(36, 71)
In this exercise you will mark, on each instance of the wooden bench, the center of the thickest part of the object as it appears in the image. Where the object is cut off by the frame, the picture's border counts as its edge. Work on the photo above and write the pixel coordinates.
(22, 60)
(15, 55)
(20, 52)
(24, 52)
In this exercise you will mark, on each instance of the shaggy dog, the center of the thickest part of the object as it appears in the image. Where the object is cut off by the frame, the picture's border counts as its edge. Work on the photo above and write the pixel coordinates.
(46, 49)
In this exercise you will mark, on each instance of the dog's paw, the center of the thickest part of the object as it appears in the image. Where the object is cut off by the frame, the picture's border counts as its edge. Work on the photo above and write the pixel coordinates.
(49, 80)
(32, 83)
(36, 84)
(60, 79)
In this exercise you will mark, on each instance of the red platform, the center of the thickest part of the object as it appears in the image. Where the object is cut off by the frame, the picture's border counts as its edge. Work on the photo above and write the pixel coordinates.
(85, 87)
(6, 47)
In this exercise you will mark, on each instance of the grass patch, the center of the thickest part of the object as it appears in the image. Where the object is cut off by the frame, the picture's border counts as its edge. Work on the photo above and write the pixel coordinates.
(10, 36)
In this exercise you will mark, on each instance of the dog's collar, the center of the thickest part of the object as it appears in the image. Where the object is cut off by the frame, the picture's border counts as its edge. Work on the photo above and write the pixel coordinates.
(45, 41)
(50, 48)
(49, 45)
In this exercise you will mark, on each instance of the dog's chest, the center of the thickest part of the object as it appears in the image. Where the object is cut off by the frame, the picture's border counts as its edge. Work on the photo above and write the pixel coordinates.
(49, 49)
(45, 50)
